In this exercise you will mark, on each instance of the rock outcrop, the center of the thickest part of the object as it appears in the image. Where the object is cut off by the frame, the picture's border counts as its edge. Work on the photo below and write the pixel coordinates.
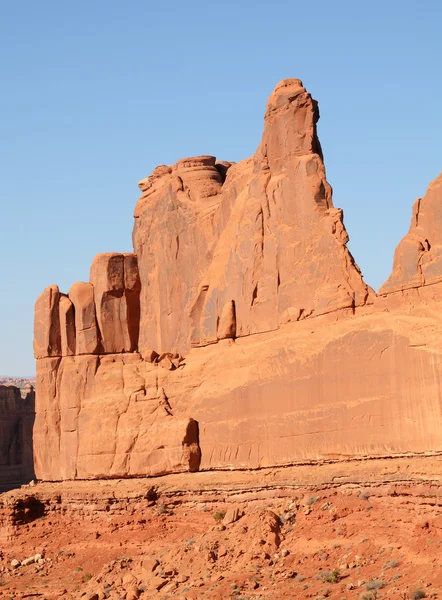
(17, 411)
(265, 247)
(240, 333)
(418, 257)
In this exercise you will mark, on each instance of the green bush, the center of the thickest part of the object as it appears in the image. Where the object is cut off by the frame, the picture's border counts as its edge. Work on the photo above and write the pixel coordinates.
(219, 515)
(331, 576)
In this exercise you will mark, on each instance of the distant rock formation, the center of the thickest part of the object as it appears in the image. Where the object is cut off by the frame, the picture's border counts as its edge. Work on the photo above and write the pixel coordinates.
(17, 381)
(17, 411)
(240, 333)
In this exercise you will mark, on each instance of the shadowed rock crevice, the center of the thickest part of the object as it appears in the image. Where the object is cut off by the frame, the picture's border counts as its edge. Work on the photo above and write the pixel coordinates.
(191, 447)
(27, 510)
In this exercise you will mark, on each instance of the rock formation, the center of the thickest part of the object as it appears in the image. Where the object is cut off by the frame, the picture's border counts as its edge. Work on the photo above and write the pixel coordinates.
(418, 257)
(261, 248)
(16, 423)
(240, 333)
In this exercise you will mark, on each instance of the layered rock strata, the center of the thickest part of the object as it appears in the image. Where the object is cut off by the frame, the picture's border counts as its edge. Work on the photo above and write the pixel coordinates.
(240, 333)
(17, 411)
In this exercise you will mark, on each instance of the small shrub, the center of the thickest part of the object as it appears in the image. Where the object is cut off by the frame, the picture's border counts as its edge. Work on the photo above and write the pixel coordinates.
(87, 577)
(312, 500)
(391, 564)
(219, 515)
(331, 576)
(417, 594)
(370, 596)
(162, 508)
(374, 584)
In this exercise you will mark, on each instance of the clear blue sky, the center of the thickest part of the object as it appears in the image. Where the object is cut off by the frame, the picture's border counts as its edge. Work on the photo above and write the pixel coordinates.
(96, 93)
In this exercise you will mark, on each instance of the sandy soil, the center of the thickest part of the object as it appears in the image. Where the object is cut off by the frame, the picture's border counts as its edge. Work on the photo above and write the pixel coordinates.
(363, 529)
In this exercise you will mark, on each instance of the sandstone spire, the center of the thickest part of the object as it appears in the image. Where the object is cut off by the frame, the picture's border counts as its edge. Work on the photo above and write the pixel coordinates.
(418, 256)
(266, 240)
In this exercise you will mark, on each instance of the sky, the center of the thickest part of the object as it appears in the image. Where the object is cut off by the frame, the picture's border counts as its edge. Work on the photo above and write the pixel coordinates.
(96, 93)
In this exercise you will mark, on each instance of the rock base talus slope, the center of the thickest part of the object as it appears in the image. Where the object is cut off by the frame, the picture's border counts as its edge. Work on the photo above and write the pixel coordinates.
(17, 411)
(338, 530)
(240, 333)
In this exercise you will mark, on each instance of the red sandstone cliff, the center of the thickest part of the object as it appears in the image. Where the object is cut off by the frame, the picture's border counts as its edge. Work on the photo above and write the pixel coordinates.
(150, 367)
(16, 423)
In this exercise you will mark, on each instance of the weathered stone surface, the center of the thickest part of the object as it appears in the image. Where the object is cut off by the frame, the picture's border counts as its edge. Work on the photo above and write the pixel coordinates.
(117, 306)
(132, 288)
(47, 334)
(240, 334)
(173, 237)
(418, 257)
(108, 416)
(67, 326)
(314, 390)
(16, 423)
(81, 295)
(267, 241)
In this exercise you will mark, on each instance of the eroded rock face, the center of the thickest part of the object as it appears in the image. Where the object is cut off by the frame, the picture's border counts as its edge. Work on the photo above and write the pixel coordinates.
(108, 416)
(16, 423)
(314, 390)
(282, 255)
(67, 326)
(268, 241)
(418, 257)
(47, 332)
(81, 294)
(240, 333)
(173, 237)
(116, 293)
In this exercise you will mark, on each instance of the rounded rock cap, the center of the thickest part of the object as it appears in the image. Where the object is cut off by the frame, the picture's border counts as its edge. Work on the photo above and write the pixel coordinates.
(285, 92)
